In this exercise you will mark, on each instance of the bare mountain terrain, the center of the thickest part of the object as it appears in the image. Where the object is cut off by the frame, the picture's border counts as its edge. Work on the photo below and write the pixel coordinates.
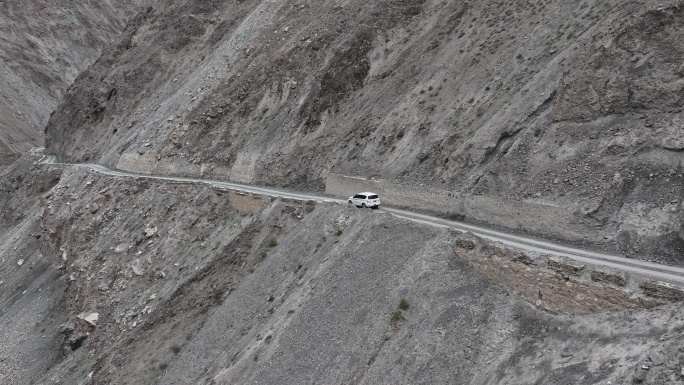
(571, 105)
(192, 284)
(44, 45)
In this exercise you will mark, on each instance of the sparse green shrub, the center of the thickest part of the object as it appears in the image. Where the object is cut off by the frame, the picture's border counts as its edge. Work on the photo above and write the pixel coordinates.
(263, 254)
(480, 111)
(218, 295)
(268, 339)
(271, 298)
(272, 242)
(175, 349)
(338, 232)
(398, 316)
(163, 365)
(403, 304)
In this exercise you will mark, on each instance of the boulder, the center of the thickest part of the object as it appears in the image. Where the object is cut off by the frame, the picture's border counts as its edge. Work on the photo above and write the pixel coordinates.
(90, 318)
(150, 231)
(657, 358)
(640, 373)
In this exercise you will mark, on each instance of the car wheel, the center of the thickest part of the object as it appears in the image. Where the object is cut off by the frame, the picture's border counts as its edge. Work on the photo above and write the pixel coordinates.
(358, 206)
(363, 205)
(350, 202)
(375, 207)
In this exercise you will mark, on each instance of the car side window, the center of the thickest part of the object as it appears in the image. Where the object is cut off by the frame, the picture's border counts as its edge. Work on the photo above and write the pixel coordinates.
(359, 196)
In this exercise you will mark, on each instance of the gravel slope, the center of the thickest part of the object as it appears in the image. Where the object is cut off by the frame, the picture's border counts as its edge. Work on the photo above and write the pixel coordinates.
(197, 285)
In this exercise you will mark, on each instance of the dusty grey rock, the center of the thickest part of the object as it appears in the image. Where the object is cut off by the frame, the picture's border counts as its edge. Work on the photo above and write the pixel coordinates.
(662, 290)
(640, 373)
(90, 318)
(608, 277)
(565, 267)
(67, 328)
(137, 267)
(657, 358)
(150, 231)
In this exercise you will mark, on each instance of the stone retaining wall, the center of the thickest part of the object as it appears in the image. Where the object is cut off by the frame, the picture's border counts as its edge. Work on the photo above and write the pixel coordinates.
(535, 217)
(560, 285)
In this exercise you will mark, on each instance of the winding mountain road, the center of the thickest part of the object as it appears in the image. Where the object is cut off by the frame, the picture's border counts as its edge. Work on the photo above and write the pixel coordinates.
(664, 273)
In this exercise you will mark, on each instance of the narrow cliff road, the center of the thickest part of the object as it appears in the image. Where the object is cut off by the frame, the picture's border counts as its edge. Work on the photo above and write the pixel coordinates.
(665, 273)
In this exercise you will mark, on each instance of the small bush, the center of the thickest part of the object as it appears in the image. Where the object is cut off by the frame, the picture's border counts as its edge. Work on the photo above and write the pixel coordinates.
(398, 316)
(271, 298)
(480, 112)
(272, 242)
(175, 349)
(163, 365)
(268, 339)
(338, 232)
(218, 295)
(403, 304)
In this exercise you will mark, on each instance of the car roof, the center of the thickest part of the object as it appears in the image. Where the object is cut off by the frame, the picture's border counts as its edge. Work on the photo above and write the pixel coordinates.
(367, 193)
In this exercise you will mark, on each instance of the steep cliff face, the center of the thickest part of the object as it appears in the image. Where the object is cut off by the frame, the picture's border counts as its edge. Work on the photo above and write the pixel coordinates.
(43, 48)
(572, 104)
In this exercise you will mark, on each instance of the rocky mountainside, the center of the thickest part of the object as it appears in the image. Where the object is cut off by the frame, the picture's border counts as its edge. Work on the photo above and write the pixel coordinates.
(44, 45)
(576, 105)
(572, 104)
(121, 280)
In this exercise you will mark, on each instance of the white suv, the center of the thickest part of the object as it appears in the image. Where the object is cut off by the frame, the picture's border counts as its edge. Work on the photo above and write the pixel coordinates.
(365, 199)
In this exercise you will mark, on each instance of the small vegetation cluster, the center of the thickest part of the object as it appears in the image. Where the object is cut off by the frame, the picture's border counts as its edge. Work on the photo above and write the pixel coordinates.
(398, 314)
